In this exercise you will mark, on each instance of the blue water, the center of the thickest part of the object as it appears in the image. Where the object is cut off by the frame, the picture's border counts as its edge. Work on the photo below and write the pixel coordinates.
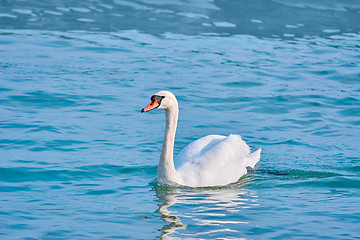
(78, 160)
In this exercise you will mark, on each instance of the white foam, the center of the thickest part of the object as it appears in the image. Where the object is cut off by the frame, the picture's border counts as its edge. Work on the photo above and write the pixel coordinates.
(224, 24)
(256, 21)
(331, 30)
(7, 15)
(85, 20)
(22, 11)
(193, 15)
(80, 9)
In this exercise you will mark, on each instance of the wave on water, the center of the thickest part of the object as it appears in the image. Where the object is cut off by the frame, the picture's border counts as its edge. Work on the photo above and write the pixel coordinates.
(91, 172)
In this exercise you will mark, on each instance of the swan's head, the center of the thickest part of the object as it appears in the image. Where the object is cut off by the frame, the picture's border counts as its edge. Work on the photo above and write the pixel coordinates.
(162, 100)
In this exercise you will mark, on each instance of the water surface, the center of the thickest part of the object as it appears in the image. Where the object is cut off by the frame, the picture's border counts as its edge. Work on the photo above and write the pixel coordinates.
(79, 160)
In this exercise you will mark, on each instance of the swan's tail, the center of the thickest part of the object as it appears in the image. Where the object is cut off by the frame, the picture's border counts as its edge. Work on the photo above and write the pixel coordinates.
(253, 158)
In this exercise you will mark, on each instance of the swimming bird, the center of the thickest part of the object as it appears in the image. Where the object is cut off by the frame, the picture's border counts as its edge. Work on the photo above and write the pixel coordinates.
(213, 160)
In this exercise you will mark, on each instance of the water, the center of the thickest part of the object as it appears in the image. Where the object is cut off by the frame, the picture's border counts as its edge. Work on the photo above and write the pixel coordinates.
(79, 160)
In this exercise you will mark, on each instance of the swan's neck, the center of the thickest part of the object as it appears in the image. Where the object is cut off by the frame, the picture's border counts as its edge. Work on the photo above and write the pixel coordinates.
(166, 170)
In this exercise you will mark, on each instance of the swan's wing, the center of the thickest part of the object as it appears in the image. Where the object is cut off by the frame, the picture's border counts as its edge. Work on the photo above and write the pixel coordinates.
(189, 153)
(214, 160)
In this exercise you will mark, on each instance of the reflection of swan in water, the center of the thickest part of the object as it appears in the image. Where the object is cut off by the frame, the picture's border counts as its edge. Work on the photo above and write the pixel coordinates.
(167, 198)
(203, 207)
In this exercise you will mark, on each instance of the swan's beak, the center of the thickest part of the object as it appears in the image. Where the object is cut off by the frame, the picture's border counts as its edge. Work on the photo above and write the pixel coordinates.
(154, 104)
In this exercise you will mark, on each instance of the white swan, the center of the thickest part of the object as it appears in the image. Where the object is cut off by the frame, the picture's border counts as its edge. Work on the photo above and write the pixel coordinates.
(212, 160)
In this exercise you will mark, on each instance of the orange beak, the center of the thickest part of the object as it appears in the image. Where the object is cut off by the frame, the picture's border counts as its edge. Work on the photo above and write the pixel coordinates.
(154, 104)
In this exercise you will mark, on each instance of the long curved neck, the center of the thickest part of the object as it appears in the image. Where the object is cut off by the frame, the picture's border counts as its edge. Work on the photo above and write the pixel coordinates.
(166, 170)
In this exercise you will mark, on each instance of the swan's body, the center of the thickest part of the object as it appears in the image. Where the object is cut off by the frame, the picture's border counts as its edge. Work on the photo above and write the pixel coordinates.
(209, 161)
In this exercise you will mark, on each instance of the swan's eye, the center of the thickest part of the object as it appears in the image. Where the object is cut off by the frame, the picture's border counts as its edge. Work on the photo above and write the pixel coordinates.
(158, 98)
(155, 103)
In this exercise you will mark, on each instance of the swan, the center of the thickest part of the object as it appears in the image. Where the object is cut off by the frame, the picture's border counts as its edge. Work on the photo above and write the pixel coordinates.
(213, 160)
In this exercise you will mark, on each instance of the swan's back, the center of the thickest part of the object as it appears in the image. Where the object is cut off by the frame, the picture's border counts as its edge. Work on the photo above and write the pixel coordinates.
(214, 160)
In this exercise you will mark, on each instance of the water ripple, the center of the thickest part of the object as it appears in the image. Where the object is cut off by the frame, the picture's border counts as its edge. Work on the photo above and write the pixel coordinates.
(28, 174)
(76, 151)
